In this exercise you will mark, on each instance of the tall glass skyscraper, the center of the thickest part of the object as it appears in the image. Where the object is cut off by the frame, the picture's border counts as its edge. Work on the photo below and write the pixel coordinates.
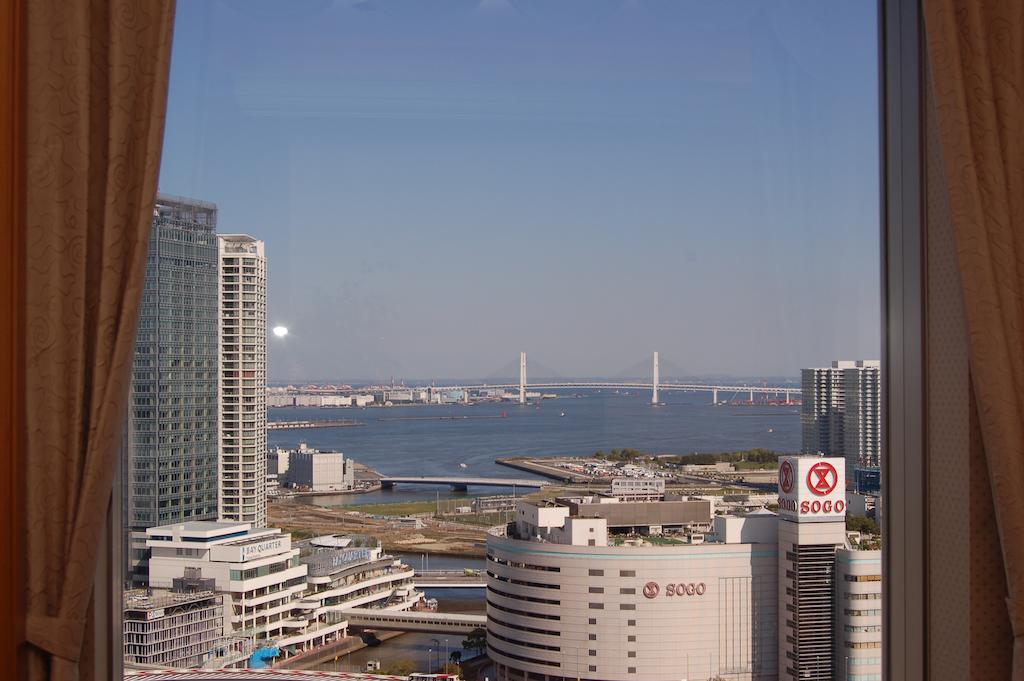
(171, 467)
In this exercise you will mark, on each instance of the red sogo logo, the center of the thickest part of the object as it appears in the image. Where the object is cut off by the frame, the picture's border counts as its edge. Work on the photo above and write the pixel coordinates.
(651, 589)
(786, 477)
(822, 478)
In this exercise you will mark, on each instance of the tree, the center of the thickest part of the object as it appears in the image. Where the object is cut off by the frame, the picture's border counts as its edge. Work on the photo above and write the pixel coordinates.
(862, 525)
(476, 641)
(456, 656)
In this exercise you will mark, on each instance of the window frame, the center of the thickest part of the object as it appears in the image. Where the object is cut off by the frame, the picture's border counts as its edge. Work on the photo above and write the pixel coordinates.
(904, 470)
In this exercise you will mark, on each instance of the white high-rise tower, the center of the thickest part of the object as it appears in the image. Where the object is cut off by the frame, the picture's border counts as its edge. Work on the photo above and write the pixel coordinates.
(841, 413)
(242, 409)
(862, 413)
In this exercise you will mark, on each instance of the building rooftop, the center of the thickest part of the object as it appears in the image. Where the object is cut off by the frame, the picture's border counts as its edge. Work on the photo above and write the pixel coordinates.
(199, 528)
(152, 599)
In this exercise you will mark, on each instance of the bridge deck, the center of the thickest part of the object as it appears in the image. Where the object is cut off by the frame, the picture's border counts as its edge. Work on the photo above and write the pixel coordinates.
(414, 621)
(630, 385)
(463, 481)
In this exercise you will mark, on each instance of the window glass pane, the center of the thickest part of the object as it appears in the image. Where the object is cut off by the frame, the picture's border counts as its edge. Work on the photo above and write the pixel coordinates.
(512, 313)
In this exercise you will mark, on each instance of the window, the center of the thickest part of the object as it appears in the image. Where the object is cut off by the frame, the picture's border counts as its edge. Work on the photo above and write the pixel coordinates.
(420, 206)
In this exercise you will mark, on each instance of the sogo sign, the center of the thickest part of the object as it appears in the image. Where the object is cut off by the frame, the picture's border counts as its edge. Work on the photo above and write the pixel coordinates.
(652, 589)
(812, 488)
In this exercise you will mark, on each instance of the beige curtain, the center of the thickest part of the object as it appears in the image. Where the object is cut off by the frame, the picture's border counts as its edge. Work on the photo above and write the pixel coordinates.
(96, 80)
(976, 55)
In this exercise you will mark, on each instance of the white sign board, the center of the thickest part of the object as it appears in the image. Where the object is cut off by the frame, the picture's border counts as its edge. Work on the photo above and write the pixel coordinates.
(812, 488)
(239, 553)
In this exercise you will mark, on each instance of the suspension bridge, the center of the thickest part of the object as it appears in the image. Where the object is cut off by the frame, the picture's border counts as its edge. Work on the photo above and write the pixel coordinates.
(767, 393)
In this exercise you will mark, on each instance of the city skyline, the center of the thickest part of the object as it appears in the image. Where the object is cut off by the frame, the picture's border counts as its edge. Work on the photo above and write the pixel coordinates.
(440, 189)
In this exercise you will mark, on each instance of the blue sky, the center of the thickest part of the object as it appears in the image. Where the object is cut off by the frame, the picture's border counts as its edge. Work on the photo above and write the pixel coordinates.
(442, 183)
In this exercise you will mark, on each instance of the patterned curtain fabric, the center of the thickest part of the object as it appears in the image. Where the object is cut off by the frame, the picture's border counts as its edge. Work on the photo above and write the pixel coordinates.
(976, 55)
(96, 88)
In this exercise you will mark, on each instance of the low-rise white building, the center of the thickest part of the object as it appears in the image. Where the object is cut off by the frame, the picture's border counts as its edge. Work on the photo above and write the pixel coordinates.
(568, 599)
(342, 576)
(320, 471)
(256, 569)
(601, 589)
(168, 629)
(638, 489)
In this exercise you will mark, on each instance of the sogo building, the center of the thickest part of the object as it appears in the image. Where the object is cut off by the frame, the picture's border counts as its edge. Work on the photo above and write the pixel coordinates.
(567, 599)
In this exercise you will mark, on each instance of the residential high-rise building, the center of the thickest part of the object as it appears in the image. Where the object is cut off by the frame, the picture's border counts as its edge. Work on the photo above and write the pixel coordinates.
(243, 380)
(821, 417)
(862, 436)
(841, 414)
(171, 438)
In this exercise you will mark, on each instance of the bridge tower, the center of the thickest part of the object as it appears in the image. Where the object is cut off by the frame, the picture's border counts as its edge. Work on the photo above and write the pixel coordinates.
(654, 382)
(522, 378)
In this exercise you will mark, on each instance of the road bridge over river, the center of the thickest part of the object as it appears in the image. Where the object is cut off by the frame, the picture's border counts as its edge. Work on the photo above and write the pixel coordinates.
(462, 483)
(439, 622)
(449, 579)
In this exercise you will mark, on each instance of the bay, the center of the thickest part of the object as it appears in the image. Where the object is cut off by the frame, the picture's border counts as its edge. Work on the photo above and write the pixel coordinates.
(435, 440)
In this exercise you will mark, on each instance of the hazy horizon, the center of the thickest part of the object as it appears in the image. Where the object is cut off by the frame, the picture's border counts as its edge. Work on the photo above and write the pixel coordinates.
(441, 185)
